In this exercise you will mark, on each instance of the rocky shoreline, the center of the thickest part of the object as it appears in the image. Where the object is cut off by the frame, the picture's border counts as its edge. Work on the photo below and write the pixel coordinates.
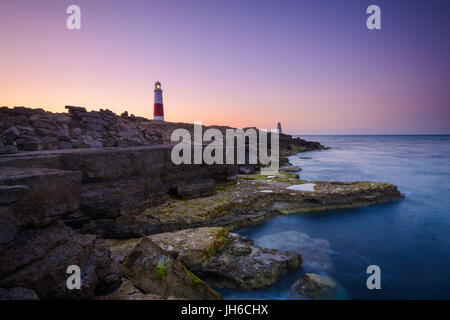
(27, 129)
(138, 226)
(251, 199)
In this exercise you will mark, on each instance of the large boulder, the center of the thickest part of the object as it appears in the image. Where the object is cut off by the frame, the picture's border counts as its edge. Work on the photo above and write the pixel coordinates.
(314, 286)
(223, 259)
(30, 143)
(155, 271)
(38, 259)
(50, 143)
(10, 134)
(195, 248)
(227, 260)
(120, 249)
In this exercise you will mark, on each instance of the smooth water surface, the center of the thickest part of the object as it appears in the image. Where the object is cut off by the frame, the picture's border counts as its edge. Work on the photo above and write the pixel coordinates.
(408, 239)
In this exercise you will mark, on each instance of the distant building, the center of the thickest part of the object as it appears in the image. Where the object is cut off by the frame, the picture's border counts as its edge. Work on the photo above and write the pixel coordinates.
(158, 108)
(279, 128)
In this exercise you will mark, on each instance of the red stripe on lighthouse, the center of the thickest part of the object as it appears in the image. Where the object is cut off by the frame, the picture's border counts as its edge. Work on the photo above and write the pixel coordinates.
(158, 110)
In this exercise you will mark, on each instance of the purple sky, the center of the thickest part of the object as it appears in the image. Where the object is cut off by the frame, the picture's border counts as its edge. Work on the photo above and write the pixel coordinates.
(312, 65)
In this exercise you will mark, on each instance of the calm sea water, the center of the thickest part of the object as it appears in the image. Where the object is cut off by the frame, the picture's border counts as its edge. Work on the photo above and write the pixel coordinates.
(408, 239)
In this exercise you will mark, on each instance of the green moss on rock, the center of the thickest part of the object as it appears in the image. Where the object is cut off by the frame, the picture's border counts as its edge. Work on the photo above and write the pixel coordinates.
(220, 240)
(161, 269)
(194, 278)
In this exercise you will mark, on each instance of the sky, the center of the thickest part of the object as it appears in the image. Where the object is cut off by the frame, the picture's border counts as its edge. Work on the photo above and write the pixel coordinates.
(312, 65)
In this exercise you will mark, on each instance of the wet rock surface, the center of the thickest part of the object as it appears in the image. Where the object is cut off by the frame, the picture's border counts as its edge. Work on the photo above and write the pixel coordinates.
(242, 265)
(315, 286)
(290, 169)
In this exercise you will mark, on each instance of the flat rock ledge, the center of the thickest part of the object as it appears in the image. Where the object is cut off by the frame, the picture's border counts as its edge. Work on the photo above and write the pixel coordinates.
(252, 199)
(220, 258)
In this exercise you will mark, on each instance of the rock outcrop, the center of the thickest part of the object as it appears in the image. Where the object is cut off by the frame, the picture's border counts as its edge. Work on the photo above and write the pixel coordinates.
(36, 248)
(228, 260)
(38, 260)
(222, 259)
(35, 129)
(291, 145)
(107, 184)
(42, 190)
(314, 286)
(34, 197)
(154, 271)
(30, 129)
(251, 200)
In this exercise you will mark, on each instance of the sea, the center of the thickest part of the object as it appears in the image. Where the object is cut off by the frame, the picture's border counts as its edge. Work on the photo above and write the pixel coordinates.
(409, 240)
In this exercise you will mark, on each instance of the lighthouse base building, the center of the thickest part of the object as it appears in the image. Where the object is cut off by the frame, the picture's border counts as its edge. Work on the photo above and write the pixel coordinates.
(158, 108)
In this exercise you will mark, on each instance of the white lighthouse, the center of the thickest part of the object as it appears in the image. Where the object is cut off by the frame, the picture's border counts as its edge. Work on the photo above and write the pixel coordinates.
(158, 108)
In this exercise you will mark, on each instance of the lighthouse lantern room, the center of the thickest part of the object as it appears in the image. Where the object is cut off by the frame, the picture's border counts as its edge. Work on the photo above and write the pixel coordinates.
(158, 108)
